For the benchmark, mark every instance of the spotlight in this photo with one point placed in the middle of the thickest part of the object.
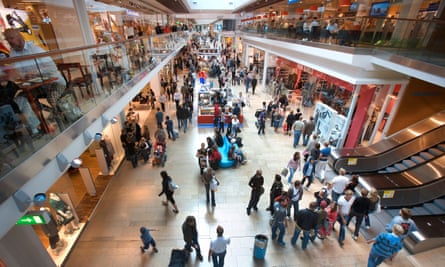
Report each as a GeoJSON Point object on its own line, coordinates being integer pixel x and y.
{"type": "Point", "coordinates": [76, 163]}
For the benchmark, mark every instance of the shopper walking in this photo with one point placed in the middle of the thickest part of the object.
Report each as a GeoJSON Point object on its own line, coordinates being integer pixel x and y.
{"type": "Point", "coordinates": [359, 210]}
{"type": "Point", "coordinates": [294, 164]}
{"type": "Point", "coordinates": [147, 240]}
{"type": "Point", "coordinates": [218, 248]}
{"type": "Point", "coordinates": [275, 191]}
{"type": "Point", "coordinates": [344, 207]}
{"type": "Point", "coordinates": [279, 220]}
{"type": "Point", "coordinates": [295, 194]}
{"type": "Point", "coordinates": [190, 234]}
{"type": "Point", "coordinates": [385, 246]}
{"type": "Point", "coordinates": [168, 188]}
{"type": "Point", "coordinates": [297, 127]}
{"type": "Point", "coordinates": [256, 183]}
{"type": "Point", "coordinates": [207, 179]}
{"type": "Point", "coordinates": [306, 221]}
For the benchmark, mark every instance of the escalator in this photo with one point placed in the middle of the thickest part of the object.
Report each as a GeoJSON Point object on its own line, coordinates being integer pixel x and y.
{"type": "Point", "coordinates": [413, 146]}
{"type": "Point", "coordinates": [408, 170]}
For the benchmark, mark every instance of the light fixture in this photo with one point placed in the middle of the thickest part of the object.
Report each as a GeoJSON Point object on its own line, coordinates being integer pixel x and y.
{"type": "Point", "coordinates": [39, 199]}
{"type": "Point", "coordinates": [76, 163]}
{"type": "Point", "coordinates": [106, 120]}
{"type": "Point", "coordinates": [98, 137]}
{"type": "Point", "coordinates": [114, 120]}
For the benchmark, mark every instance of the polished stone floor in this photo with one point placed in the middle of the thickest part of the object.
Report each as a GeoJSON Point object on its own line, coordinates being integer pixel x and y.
{"type": "Point", "coordinates": [111, 237]}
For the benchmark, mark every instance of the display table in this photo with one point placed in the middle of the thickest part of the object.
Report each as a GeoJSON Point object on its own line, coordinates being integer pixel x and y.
{"type": "Point", "coordinates": [206, 109]}
{"type": "Point", "coordinates": [206, 120]}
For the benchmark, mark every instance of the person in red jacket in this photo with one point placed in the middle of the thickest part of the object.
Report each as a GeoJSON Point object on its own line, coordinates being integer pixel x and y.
{"type": "Point", "coordinates": [214, 158]}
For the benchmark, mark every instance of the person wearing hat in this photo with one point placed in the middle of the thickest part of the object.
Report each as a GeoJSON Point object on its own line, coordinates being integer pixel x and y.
{"type": "Point", "coordinates": [385, 246]}
{"type": "Point", "coordinates": [218, 247]}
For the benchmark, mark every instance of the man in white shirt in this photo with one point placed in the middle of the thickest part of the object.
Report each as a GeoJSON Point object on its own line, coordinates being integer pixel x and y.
{"type": "Point", "coordinates": [344, 207]}
{"type": "Point", "coordinates": [218, 247]}
{"type": "Point", "coordinates": [338, 184]}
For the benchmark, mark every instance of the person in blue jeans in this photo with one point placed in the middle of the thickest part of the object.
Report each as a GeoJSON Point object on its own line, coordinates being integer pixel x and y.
{"type": "Point", "coordinates": [279, 222]}
{"type": "Point", "coordinates": [147, 240]}
{"type": "Point", "coordinates": [297, 127]}
{"type": "Point", "coordinates": [385, 246]}
{"type": "Point", "coordinates": [344, 207]}
{"type": "Point", "coordinates": [218, 248]}
{"type": "Point", "coordinates": [306, 221]}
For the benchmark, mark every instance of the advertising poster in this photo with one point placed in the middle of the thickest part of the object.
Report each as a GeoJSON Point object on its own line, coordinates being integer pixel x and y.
{"type": "Point", "coordinates": [19, 19]}
{"type": "Point", "coordinates": [328, 124]}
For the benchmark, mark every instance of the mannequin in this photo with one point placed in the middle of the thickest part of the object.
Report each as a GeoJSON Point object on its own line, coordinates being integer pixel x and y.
{"type": "Point", "coordinates": [63, 213]}
{"type": "Point", "coordinates": [50, 230]}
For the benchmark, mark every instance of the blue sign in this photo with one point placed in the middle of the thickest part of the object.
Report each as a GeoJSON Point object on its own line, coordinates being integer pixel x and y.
{"type": "Point", "coordinates": [292, 1]}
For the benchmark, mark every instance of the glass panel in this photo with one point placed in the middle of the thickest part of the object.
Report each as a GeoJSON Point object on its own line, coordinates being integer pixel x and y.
{"type": "Point", "coordinates": [41, 95]}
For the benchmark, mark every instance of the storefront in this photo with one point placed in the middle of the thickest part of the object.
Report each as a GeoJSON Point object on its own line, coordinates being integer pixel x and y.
{"type": "Point", "coordinates": [59, 215]}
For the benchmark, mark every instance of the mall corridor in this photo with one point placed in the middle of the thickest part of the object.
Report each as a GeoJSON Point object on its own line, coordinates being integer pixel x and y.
{"type": "Point", "coordinates": [111, 237]}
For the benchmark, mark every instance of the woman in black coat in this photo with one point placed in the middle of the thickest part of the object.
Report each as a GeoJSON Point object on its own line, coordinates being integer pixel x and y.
{"type": "Point", "coordinates": [168, 188]}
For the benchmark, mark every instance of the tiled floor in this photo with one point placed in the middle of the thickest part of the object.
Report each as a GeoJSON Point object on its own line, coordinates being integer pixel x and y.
{"type": "Point", "coordinates": [111, 237]}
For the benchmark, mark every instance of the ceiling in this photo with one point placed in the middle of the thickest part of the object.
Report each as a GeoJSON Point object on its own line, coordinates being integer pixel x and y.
{"type": "Point", "coordinates": [200, 11]}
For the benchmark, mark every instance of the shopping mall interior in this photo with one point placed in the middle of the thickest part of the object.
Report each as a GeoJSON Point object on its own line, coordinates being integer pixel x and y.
{"type": "Point", "coordinates": [369, 73]}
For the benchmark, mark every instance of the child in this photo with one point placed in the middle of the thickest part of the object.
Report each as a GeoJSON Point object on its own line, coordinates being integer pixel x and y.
{"type": "Point", "coordinates": [326, 229]}
{"type": "Point", "coordinates": [147, 240]}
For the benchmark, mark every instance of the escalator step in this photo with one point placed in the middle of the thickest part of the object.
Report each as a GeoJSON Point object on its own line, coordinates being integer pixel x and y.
{"type": "Point", "coordinates": [426, 155]}
{"type": "Point", "coordinates": [391, 169]}
{"type": "Point", "coordinates": [441, 147]}
{"type": "Point", "coordinates": [434, 209]}
{"type": "Point", "coordinates": [393, 212]}
{"type": "Point", "coordinates": [417, 159]}
{"type": "Point", "coordinates": [409, 163]}
{"type": "Point", "coordinates": [440, 203]}
{"type": "Point", "coordinates": [400, 167]}
{"type": "Point", "coordinates": [420, 211]}
{"type": "Point", "coordinates": [434, 151]}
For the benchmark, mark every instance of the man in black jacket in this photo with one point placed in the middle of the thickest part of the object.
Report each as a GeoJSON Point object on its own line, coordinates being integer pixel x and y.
{"type": "Point", "coordinates": [256, 183]}
{"type": "Point", "coordinates": [359, 210]}
{"type": "Point", "coordinates": [306, 221]}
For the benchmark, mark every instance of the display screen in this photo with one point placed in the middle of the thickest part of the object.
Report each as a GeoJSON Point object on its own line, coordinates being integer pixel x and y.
{"type": "Point", "coordinates": [379, 9]}
{"type": "Point", "coordinates": [353, 7]}
{"type": "Point", "coordinates": [292, 1]}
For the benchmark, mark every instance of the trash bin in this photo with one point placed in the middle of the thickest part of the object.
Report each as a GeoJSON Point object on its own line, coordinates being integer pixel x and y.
{"type": "Point", "coordinates": [260, 245]}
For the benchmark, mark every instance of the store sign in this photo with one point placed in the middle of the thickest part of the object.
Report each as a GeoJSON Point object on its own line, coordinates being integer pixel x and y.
{"type": "Point", "coordinates": [34, 218]}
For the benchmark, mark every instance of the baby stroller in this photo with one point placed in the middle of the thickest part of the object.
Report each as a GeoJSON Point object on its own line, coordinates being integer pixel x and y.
{"type": "Point", "coordinates": [159, 156]}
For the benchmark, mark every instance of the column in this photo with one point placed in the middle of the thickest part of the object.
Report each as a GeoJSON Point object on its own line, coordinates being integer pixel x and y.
{"type": "Point", "coordinates": [266, 64]}
{"type": "Point", "coordinates": [82, 15]}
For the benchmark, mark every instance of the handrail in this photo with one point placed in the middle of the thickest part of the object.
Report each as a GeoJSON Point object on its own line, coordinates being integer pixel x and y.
{"type": "Point", "coordinates": [21, 138]}
{"type": "Point", "coordinates": [10, 60]}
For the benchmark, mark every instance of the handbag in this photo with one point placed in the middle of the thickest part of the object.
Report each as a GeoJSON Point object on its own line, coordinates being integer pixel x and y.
{"type": "Point", "coordinates": [172, 186]}
{"type": "Point", "coordinates": [214, 183]}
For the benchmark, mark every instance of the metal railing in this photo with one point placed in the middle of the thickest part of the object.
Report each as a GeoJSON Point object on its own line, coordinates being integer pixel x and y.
{"type": "Point", "coordinates": [40, 99]}
{"type": "Point", "coordinates": [418, 39]}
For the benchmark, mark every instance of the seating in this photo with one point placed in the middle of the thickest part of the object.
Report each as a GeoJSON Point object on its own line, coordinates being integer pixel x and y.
{"type": "Point", "coordinates": [105, 68]}
{"type": "Point", "coordinates": [76, 75]}
{"type": "Point", "coordinates": [224, 150]}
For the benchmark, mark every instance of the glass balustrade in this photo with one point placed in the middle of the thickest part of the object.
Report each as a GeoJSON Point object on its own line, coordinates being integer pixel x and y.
{"type": "Point", "coordinates": [42, 95]}
{"type": "Point", "coordinates": [418, 39]}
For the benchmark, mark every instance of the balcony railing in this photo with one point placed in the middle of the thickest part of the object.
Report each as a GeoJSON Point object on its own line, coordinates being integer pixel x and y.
{"type": "Point", "coordinates": [42, 95]}
{"type": "Point", "coordinates": [422, 40]}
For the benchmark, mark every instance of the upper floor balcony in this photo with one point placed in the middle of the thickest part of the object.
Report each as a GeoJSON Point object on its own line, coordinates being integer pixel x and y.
{"type": "Point", "coordinates": [412, 47]}
{"type": "Point", "coordinates": [47, 100]}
